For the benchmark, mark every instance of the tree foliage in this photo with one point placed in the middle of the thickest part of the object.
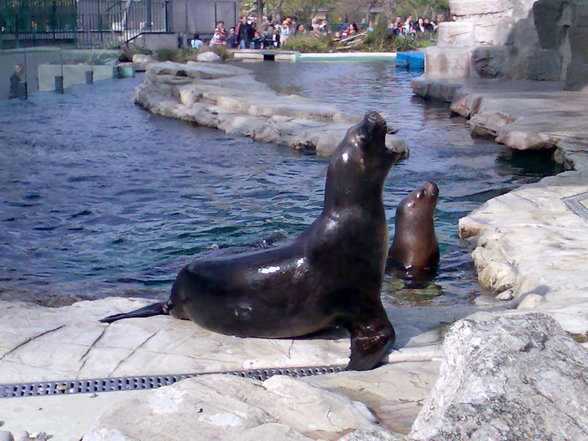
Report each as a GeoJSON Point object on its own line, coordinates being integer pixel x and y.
{"type": "Point", "coordinates": [346, 10]}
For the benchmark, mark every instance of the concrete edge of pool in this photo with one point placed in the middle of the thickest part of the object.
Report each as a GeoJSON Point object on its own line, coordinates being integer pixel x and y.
{"type": "Point", "coordinates": [293, 56]}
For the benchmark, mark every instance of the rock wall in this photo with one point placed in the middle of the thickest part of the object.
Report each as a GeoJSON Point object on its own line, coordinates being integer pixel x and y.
{"type": "Point", "coordinates": [514, 39]}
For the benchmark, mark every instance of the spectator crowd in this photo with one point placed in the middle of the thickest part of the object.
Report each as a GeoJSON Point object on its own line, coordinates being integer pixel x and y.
{"type": "Point", "coordinates": [249, 33]}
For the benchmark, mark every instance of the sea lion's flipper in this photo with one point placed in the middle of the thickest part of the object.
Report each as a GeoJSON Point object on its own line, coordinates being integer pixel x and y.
{"type": "Point", "coordinates": [160, 308]}
{"type": "Point", "coordinates": [370, 342]}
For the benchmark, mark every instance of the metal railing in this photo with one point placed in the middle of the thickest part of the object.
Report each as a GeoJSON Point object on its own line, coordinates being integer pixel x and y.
{"type": "Point", "coordinates": [80, 22]}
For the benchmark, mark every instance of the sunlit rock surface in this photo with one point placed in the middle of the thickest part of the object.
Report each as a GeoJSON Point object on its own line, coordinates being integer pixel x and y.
{"type": "Point", "coordinates": [394, 393]}
{"type": "Point", "coordinates": [230, 99]}
{"type": "Point", "coordinates": [515, 378]}
{"type": "Point", "coordinates": [41, 343]}
{"type": "Point", "coordinates": [232, 408]}
{"type": "Point", "coordinates": [528, 241]}
{"type": "Point", "coordinates": [55, 343]}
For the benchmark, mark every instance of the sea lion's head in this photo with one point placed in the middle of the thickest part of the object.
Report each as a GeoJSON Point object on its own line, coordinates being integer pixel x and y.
{"type": "Point", "coordinates": [420, 202]}
{"type": "Point", "coordinates": [360, 164]}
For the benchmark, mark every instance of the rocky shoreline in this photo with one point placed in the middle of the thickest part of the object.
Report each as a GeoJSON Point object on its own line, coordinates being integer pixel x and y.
{"type": "Point", "coordinates": [229, 98]}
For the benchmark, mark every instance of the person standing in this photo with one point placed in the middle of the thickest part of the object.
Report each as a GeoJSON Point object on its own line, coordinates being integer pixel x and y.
{"type": "Point", "coordinates": [232, 41]}
{"type": "Point", "coordinates": [219, 37]}
{"type": "Point", "coordinates": [16, 83]}
{"type": "Point", "coordinates": [243, 33]}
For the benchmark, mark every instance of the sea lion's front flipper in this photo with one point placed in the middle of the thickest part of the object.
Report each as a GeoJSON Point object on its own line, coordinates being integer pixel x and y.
{"type": "Point", "coordinates": [370, 341]}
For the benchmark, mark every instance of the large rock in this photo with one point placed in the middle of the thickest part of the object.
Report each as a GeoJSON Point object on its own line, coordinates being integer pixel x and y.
{"type": "Point", "coordinates": [515, 378]}
{"type": "Point", "coordinates": [489, 61]}
{"type": "Point", "coordinates": [221, 407]}
{"type": "Point", "coordinates": [528, 240]}
{"type": "Point", "coordinates": [141, 61]}
{"type": "Point", "coordinates": [577, 72]}
{"type": "Point", "coordinates": [209, 57]}
{"type": "Point", "coordinates": [546, 15]}
{"type": "Point", "coordinates": [539, 40]}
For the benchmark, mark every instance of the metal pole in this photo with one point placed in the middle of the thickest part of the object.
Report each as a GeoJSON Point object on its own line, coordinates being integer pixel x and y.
{"type": "Point", "coordinates": [165, 16]}
{"type": "Point", "coordinates": [148, 14]}
{"type": "Point", "coordinates": [26, 84]}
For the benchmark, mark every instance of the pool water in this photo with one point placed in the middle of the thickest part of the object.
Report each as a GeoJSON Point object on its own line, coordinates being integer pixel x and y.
{"type": "Point", "coordinates": [98, 197]}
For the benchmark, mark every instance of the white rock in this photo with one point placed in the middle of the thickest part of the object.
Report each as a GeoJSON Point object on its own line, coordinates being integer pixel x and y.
{"type": "Point", "coordinates": [506, 295]}
{"type": "Point", "coordinates": [394, 392]}
{"type": "Point", "coordinates": [70, 342]}
{"type": "Point", "coordinates": [378, 434]}
{"type": "Point", "coordinates": [209, 57]}
{"type": "Point", "coordinates": [530, 301]}
{"type": "Point", "coordinates": [233, 408]}
{"type": "Point", "coordinates": [528, 240]}
{"type": "Point", "coordinates": [505, 379]}
{"type": "Point", "coordinates": [142, 60]}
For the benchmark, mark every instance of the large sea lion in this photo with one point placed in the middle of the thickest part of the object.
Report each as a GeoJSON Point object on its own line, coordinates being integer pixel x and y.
{"type": "Point", "coordinates": [414, 248]}
{"type": "Point", "coordinates": [330, 275]}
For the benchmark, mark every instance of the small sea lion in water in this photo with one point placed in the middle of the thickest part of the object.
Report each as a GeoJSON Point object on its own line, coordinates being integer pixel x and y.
{"type": "Point", "coordinates": [330, 275]}
{"type": "Point", "coordinates": [414, 248]}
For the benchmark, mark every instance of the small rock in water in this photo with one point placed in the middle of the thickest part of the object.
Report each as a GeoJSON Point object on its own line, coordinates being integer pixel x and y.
{"type": "Point", "coordinates": [530, 301]}
{"type": "Point", "coordinates": [5, 435]}
{"type": "Point", "coordinates": [506, 295]}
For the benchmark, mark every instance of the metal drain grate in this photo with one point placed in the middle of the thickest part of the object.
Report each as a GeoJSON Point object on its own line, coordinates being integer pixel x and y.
{"type": "Point", "coordinates": [578, 204]}
{"type": "Point", "coordinates": [67, 387]}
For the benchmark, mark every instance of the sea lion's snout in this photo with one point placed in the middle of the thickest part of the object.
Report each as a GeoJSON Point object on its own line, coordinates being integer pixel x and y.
{"type": "Point", "coordinates": [432, 189]}
{"type": "Point", "coordinates": [375, 122]}
{"type": "Point", "coordinates": [428, 189]}
{"type": "Point", "coordinates": [372, 130]}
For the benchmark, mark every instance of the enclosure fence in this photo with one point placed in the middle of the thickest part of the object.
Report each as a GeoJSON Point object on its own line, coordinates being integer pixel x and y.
{"type": "Point", "coordinates": [81, 22]}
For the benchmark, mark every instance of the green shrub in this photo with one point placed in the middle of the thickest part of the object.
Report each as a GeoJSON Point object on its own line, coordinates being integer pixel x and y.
{"type": "Point", "coordinates": [381, 40]}
{"type": "Point", "coordinates": [405, 44]}
{"type": "Point", "coordinates": [222, 51]}
{"type": "Point", "coordinates": [127, 52]}
{"type": "Point", "coordinates": [378, 40]}
{"type": "Point", "coordinates": [307, 43]}
{"type": "Point", "coordinates": [167, 54]}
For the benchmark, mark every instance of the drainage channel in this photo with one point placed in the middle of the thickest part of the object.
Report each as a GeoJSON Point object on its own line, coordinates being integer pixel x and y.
{"type": "Point", "coordinates": [113, 384]}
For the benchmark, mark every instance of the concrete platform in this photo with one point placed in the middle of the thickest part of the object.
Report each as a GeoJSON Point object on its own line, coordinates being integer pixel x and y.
{"type": "Point", "coordinates": [265, 55]}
